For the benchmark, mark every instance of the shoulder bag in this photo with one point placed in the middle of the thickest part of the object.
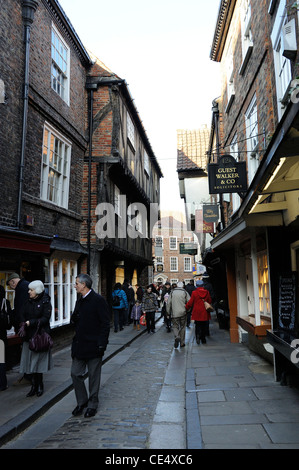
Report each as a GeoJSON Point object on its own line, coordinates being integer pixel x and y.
{"type": "Point", "coordinates": [41, 341]}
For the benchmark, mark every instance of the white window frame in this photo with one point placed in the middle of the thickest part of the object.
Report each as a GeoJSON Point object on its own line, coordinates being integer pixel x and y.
{"type": "Point", "coordinates": [234, 151]}
{"type": "Point", "coordinates": [55, 167]}
{"type": "Point", "coordinates": [159, 241]}
{"type": "Point", "coordinates": [246, 34]}
{"type": "Point", "coordinates": [251, 124]}
{"type": "Point", "coordinates": [146, 163]}
{"type": "Point", "coordinates": [230, 78]}
{"type": "Point", "coordinates": [174, 265]}
{"type": "Point", "coordinates": [187, 264]}
{"type": "Point", "coordinates": [61, 289]}
{"type": "Point", "coordinates": [60, 65]}
{"type": "Point", "coordinates": [117, 205]}
{"type": "Point", "coordinates": [173, 243]}
{"type": "Point", "coordinates": [282, 65]}
{"type": "Point", "coordinates": [130, 130]}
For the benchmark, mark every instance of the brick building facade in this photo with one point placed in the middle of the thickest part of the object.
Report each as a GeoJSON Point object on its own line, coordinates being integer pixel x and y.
{"type": "Point", "coordinates": [170, 264]}
{"type": "Point", "coordinates": [65, 149]}
{"type": "Point", "coordinates": [255, 120]}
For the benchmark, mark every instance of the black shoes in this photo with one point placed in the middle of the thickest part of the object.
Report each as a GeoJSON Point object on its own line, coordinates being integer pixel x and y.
{"type": "Point", "coordinates": [79, 409]}
{"type": "Point", "coordinates": [90, 412]}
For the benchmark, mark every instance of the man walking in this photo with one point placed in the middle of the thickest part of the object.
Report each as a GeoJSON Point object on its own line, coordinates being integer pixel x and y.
{"type": "Point", "coordinates": [176, 307]}
{"type": "Point", "coordinates": [92, 323]}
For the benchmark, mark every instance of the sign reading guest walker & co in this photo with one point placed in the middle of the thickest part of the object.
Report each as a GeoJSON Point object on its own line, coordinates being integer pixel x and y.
{"type": "Point", "coordinates": [227, 176]}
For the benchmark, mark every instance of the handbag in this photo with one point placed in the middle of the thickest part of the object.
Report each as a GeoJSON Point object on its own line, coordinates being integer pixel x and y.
{"type": "Point", "coordinates": [41, 341]}
{"type": "Point", "coordinates": [142, 320]}
{"type": "Point", "coordinates": [208, 307]}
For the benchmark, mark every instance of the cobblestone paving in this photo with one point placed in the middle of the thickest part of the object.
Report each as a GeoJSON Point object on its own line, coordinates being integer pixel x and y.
{"type": "Point", "coordinates": [128, 402]}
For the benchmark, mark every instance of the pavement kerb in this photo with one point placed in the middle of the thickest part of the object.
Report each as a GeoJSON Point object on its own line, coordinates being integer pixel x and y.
{"type": "Point", "coordinates": [24, 419]}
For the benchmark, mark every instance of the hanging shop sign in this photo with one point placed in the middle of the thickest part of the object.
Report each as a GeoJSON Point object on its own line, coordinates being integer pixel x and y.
{"type": "Point", "coordinates": [210, 213]}
{"type": "Point", "coordinates": [188, 249]}
{"type": "Point", "coordinates": [227, 176]}
{"type": "Point", "coordinates": [160, 268]}
{"type": "Point", "coordinates": [200, 225]}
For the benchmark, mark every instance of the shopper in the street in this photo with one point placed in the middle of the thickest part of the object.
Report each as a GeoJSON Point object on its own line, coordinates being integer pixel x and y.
{"type": "Point", "coordinates": [136, 314]}
{"type": "Point", "coordinates": [164, 298]}
{"type": "Point", "coordinates": [36, 312]}
{"type": "Point", "coordinates": [129, 291]}
{"type": "Point", "coordinates": [149, 306]}
{"type": "Point", "coordinates": [92, 325]}
{"type": "Point", "coordinates": [119, 307]}
{"type": "Point", "coordinates": [190, 287]}
{"type": "Point", "coordinates": [5, 324]}
{"type": "Point", "coordinates": [176, 304]}
{"type": "Point", "coordinates": [20, 286]}
{"type": "Point", "coordinates": [199, 312]}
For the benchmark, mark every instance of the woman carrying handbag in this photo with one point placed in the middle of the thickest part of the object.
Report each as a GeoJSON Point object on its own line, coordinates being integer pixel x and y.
{"type": "Point", "coordinates": [35, 312]}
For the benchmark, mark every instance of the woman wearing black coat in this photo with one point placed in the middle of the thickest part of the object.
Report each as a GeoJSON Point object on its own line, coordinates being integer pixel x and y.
{"type": "Point", "coordinates": [36, 310]}
{"type": "Point", "coordinates": [5, 324]}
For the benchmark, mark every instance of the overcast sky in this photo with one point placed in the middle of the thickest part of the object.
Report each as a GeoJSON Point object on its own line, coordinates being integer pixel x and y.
{"type": "Point", "coordinates": [161, 48]}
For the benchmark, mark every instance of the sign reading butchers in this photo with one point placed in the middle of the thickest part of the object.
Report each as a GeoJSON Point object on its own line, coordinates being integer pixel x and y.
{"type": "Point", "coordinates": [227, 176]}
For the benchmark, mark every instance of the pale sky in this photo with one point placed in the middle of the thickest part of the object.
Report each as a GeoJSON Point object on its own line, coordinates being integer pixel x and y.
{"type": "Point", "coordinates": [162, 49]}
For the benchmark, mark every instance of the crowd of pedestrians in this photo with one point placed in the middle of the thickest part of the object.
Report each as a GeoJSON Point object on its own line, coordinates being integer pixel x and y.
{"type": "Point", "coordinates": [30, 318]}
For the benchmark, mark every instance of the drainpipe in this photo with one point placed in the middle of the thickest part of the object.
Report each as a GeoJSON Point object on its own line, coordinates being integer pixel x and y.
{"type": "Point", "coordinates": [90, 88]}
{"type": "Point", "coordinates": [215, 110]}
{"type": "Point", "coordinates": [28, 9]}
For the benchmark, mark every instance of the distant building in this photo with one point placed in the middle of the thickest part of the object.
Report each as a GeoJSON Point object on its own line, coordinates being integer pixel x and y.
{"type": "Point", "coordinates": [171, 261]}
{"type": "Point", "coordinates": [192, 160]}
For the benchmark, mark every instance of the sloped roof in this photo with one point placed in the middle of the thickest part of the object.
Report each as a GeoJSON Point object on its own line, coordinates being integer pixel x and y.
{"type": "Point", "coordinates": [192, 146]}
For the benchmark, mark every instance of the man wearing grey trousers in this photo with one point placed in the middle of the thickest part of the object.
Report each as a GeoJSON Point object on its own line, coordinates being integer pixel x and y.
{"type": "Point", "coordinates": [92, 324]}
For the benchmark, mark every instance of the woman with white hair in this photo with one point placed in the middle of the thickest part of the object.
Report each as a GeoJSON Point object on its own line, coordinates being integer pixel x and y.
{"type": "Point", "coordinates": [36, 310]}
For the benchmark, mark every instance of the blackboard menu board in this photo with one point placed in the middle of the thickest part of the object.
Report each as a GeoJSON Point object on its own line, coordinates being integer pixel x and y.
{"type": "Point", "coordinates": [287, 301]}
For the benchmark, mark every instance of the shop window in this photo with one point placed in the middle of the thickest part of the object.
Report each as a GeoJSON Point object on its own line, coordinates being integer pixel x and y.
{"type": "Point", "coordinates": [60, 276]}
{"type": "Point", "coordinates": [263, 283]}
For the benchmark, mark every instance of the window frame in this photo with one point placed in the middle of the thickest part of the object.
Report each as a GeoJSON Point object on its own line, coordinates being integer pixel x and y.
{"type": "Point", "coordinates": [170, 243]}
{"type": "Point", "coordinates": [62, 185]}
{"type": "Point", "coordinates": [189, 259]}
{"type": "Point", "coordinates": [65, 74]}
{"type": "Point", "coordinates": [173, 260]}
{"type": "Point", "coordinates": [282, 65]}
{"type": "Point", "coordinates": [251, 126]}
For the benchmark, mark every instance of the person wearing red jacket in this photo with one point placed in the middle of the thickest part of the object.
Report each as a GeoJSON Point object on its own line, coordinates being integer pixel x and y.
{"type": "Point", "coordinates": [199, 314]}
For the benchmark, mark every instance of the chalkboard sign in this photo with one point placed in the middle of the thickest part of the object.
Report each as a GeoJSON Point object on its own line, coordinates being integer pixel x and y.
{"type": "Point", "coordinates": [287, 301]}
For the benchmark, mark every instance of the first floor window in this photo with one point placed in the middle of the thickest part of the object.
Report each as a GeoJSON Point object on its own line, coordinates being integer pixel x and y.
{"type": "Point", "coordinates": [55, 167]}
{"type": "Point", "coordinates": [187, 264]}
{"type": "Point", "coordinates": [173, 263]}
{"type": "Point", "coordinates": [60, 276]}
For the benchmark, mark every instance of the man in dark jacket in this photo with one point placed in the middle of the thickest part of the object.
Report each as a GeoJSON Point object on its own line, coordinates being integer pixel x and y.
{"type": "Point", "coordinates": [20, 286]}
{"type": "Point", "coordinates": [92, 322]}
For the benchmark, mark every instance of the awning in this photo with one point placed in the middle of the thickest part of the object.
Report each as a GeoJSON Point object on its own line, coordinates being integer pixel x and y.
{"type": "Point", "coordinates": [16, 240]}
